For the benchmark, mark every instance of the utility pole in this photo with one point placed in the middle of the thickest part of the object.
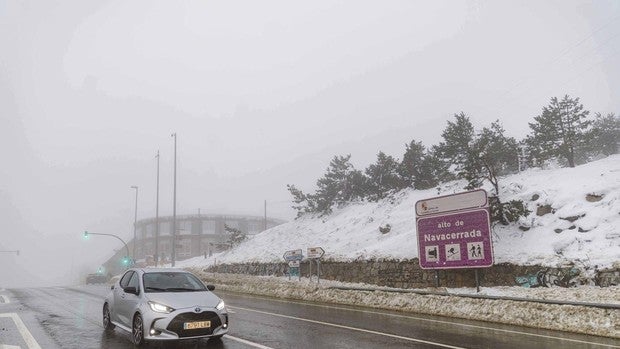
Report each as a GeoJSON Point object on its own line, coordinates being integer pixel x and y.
{"type": "Point", "coordinates": [265, 219]}
{"type": "Point", "coordinates": [135, 221]}
{"type": "Point", "coordinates": [157, 216]}
{"type": "Point", "coordinates": [174, 203]}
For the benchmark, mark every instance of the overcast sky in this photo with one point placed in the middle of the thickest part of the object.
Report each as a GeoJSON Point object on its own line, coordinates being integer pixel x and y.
{"type": "Point", "coordinates": [261, 94]}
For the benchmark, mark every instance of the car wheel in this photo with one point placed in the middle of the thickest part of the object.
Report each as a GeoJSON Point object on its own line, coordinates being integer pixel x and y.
{"type": "Point", "coordinates": [138, 330]}
{"type": "Point", "coordinates": [107, 322]}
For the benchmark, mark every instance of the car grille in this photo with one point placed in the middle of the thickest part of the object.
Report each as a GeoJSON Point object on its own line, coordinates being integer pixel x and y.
{"type": "Point", "coordinates": [176, 325]}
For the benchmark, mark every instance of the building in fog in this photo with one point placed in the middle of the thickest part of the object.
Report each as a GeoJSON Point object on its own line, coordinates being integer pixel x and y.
{"type": "Point", "coordinates": [197, 235]}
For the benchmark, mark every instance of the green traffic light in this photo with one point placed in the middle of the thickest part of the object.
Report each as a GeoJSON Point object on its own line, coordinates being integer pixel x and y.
{"type": "Point", "coordinates": [86, 235]}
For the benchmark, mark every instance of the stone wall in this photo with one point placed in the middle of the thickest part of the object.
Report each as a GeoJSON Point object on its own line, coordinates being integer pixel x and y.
{"type": "Point", "coordinates": [405, 274]}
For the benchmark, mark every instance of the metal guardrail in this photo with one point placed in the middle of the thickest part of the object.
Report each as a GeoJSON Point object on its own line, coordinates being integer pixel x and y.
{"type": "Point", "coordinates": [476, 296]}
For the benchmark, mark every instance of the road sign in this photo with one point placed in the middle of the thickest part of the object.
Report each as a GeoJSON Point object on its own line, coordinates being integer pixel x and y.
{"type": "Point", "coordinates": [315, 252]}
{"type": "Point", "coordinates": [460, 239]}
{"type": "Point", "coordinates": [293, 255]}
{"type": "Point", "coordinates": [293, 264]}
{"type": "Point", "coordinates": [452, 203]}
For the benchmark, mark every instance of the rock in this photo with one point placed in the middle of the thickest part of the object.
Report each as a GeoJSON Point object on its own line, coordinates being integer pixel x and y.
{"type": "Point", "coordinates": [582, 230]}
{"type": "Point", "coordinates": [558, 230]}
{"type": "Point", "coordinates": [543, 210]}
{"type": "Point", "coordinates": [593, 198]}
{"type": "Point", "coordinates": [522, 228]}
{"type": "Point", "coordinates": [573, 218]}
{"type": "Point", "coordinates": [535, 197]}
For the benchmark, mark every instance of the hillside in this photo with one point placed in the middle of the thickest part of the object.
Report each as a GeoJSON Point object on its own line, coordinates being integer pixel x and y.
{"type": "Point", "coordinates": [583, 226]}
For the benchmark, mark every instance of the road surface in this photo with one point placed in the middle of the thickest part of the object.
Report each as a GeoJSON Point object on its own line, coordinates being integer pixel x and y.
{"type": "Point", "coordinates": [70, 317]}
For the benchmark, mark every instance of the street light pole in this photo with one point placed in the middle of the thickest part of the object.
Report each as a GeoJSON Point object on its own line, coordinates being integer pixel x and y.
{"type": "Point", "coordinates": [157, 216]}
{"type": "Point", "coordinates": [87, 234]}
{"type": "Point", "coordinates": [135, 221]}
{"type": "Point", "coordinates": [174, 203]}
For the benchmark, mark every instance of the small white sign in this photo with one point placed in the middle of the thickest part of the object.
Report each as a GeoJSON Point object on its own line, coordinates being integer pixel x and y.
{"type": "Point", "coordinates": [315, 252]}
{"type": "Point", "coordinates": [293, 255]}
{"type": "Point", "coordinates": [453, 202]}
{"type": "Point", "coordinates": [293, 264]}
{"type": "Point", "coordinates": [432, 253]}
{"type": "Point", "coordinates": [475, 250]}
{"type": "Point", "coordinates": [453, 252]}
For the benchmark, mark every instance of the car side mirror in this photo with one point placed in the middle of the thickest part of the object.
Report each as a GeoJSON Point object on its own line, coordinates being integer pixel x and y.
{"type": "Point", "coordinates": [210, 287]}
{"type": "Point", "coordinates": [132, 290]}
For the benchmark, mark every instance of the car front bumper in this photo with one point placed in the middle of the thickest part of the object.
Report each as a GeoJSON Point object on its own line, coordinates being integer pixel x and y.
{"type": "Point", "coordinates": [159, 326]}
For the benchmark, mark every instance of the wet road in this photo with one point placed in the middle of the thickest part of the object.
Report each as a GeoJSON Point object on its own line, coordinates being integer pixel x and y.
{"type": "Point", "coordinates": [71, 318]}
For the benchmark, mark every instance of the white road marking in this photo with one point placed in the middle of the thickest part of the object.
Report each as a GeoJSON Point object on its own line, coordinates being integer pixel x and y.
{"type": "Point", "coordinates": [354, 329]}
{"type": "Point", "coordinates": [439, 321]}
{"type": "Point", "coordinates": [23, 330]}
{"type": "Point", "coordinates": [5, 346]}
{"type": "Point", "coordinates": [241, 340]}
{"type": "Point", "coordinates": [5, 299]}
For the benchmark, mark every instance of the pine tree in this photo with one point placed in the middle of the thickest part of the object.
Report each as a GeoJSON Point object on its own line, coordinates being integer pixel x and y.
{"type": "Point", "coordinates": [383, 177]}
{"type": "Point", "coordinates": [496, 155]}
{"type": "Point", "coordinates": [482, 157]}
{"type": "Point", "coordinates": [236, 236]}
{"type": "Point", "coordinates": [420, 169]}
{"type": "Point", "coordinates": [560, 131]}
{"type": "Point", "coordinates": [457, 148]}
{"type": "Point", "coordinates": [604, 137]}
{"type": "Point", "coordinates": [410, 167]}
{"type": "Point", "coordinates": [303, 203]}
{"type": "Point", "coordinates": [340, 184]}
{"type": "Point", "coordinates": [433, 170]}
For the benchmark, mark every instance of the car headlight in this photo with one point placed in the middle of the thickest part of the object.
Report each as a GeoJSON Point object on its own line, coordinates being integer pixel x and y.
{"type": "Point", "coordinates": [220, 305]}
{"type": "Point", "coordinates": [160, 308]}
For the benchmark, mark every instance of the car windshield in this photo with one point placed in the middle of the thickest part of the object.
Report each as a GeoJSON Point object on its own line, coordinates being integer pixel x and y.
{"type": "Point", "coordinates": [171, 282]}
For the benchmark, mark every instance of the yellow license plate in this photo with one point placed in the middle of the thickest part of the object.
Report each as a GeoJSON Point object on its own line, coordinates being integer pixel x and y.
{"type": "Point", "coordinates": [196, 324]}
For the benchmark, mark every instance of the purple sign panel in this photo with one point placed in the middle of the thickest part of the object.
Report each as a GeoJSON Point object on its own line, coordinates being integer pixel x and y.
{"type": "Point", "coordinates": [457, 240]}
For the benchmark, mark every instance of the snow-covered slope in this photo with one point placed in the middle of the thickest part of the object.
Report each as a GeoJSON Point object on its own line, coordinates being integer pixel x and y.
{"type": "Point", "coordinates": [353, 232]}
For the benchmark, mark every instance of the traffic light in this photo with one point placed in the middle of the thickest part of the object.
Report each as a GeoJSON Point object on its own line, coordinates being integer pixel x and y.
{"type": "Point", "coordinates": [85, 235]}
{"type": "Point", "coordinates": [126, 261]}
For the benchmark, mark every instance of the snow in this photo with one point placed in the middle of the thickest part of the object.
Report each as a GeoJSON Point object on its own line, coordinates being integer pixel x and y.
{"type": "Point", "coordinates": [352, 232]}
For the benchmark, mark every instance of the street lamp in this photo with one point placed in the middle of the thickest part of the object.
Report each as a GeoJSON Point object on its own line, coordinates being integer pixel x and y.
{"type": "Point", "coordinates": [126, 259]}
{"type": "Point", "coordinates": [174, 203]}
{"type": "Point", "coordinates": [157, 216]}
{"type": "Point", "coordinates": [135, 221]}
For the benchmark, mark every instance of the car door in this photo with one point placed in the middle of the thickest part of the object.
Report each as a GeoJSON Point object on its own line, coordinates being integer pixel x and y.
{"type": "Point", "coordinates": [121, 299]}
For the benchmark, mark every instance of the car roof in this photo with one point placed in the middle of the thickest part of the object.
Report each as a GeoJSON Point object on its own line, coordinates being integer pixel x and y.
{"type": "Point", "coordinates": [162, 270]}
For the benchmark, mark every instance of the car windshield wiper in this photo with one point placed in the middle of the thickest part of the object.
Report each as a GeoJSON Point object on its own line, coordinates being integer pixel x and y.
{"type": "Point", "coordinates": [149, 288]}
{"type": "Point", "coordinates": [174, 289]}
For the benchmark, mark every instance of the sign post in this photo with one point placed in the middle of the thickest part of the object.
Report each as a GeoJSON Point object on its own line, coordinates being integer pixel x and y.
{"type": "Point", "coordinates": [454, 231]}
{"type": "Point", "coordinates": [315, 253]}
{"type": "Point", "coordinates": [293, 257]}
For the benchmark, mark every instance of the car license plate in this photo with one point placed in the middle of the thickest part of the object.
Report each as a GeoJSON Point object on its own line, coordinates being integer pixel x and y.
{"type": "Point", "coordinates": [196, 324]}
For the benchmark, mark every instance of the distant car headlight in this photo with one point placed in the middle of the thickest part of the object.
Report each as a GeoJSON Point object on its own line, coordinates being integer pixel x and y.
{"type": "Point", "coordinates": [160, 308]}
{"type": "Point", "coordinates": [220, 305]}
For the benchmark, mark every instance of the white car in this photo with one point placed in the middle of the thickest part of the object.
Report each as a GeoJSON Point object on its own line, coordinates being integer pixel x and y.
{"type": "Point", "coordinates": [164, 304]}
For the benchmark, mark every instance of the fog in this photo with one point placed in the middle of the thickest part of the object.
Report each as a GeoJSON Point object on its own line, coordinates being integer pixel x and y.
{"type": "Point", "coordinates": [261, 94]}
